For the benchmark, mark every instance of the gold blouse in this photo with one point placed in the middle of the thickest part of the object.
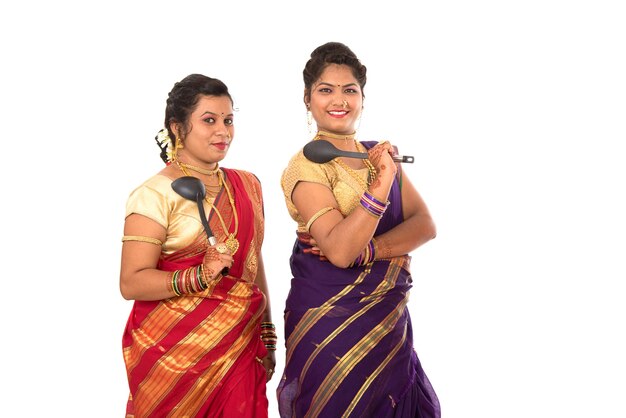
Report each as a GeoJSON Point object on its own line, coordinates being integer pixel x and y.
{"type": "Point", "coordinates": [346, 189]}
{"type": "Point", "coordinates": [155, 199]}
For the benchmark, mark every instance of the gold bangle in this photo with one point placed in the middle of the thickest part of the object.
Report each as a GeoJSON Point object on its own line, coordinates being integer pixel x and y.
{"type": "Point", "coordinates": [141, 239]}
{"type": "Point", "coordinates": [374, 249]}
{"type": "Point", "coordinates": [319, 213]}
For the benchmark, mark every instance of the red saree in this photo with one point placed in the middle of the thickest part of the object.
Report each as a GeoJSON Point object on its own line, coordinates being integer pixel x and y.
{"type": "Point", "coordinates": [196, 355]}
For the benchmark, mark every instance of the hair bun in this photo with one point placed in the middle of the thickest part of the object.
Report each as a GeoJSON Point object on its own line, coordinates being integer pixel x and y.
{"type": "Point", "coordinates": [332, 49]}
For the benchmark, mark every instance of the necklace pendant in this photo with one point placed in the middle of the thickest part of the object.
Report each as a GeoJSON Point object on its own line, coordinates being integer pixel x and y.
{"type": "Point", "coordinates": [232, 243]}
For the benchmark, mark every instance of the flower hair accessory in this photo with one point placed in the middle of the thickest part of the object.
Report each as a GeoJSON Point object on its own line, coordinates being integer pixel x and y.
{"type": "Point", "coordinates": [165, 144]}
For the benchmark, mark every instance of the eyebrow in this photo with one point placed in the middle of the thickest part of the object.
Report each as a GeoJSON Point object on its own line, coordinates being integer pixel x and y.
{"type": "Point", "coordinates": [333, 85]}
{"type": "Point", "coordinates": [208, 112]}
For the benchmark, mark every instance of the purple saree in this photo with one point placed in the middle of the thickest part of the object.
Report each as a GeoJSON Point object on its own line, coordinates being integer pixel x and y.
{"type": "Point", "coordinates": [349, 342]}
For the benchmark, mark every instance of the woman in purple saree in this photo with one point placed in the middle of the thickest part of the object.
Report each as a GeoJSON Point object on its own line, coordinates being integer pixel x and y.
{"type": "Point", "coordinates": [349, 342]}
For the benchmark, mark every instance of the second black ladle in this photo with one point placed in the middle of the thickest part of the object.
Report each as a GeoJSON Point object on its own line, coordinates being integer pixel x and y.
{"type": "Point", "coordinates": [321, 151]}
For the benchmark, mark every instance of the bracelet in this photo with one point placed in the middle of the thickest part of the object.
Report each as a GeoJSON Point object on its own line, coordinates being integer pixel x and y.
{"type": "Point", "coordinates": [188, 281]}
{"type": "Point", "coordinates": [372, 246]}
{"type": "Point", "coordinates": [268, 335]}
{"type": "Point", "coordinates": [175, 282]}
{"type": "Point", "coordinates": [367, 255]}
{"type": "Point", "coordinates": [372, 205]}
{"type": "Point", "coordinates": [374, 200]}
{"type": "Point", "coordinates": [201, 284]}
{"type": "Point", "coordinates": [317, 214]}
{"type": "Point", "coordinates": [141, 239]}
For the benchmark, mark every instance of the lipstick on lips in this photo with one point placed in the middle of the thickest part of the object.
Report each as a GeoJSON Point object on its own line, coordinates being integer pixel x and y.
{"type": "Point", "coordinates": [221, 145]}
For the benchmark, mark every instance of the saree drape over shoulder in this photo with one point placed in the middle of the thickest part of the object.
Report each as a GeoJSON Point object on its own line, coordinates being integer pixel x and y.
{"type": "Point", "coordinates": [349, 342]}
{"type": "Point", "coordinates": [195, 355]}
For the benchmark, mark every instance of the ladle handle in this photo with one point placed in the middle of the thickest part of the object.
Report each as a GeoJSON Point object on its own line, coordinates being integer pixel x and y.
{"type": "Point", "coordinates": [403, 159]}
{"type": "Point", "coordinates": [364, 155]}
{"type": "Point", "coordinates": [352, 154]}
{"type": "Point", "coordinates": [209, 234]}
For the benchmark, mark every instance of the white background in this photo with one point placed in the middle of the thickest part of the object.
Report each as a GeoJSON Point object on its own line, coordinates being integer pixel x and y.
{"type": "Point", "coordinates": [514, 111]}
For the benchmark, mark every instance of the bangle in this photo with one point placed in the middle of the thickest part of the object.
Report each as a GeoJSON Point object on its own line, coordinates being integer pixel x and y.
{"type": "Point", "coordinates": [374, 200]}
{"type": "Point", "coordinates": [372, 205]}
{"type": "Point", "coordinates": [175, 283]}
{"type": "Point", "coordinates": [317, 214]}
{"type": "Point", "coordinates": [372, 245]}
{"type": "Point", "coordinates": [201, 284]}
{"type": "Point", "coordinates": [268, 335]}
{"type": "Point", "coordinates": [141, 239]}
{"type": "Point", "coordinates": [188, 281]}
{"type": "Point", "coordinates": [367, 255]}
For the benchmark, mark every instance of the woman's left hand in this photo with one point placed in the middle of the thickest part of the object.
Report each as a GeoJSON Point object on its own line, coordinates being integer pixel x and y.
{"type": "Point", "coordinates": [307, 239]}
{"type": "Point", "coordinates": [269, 362]}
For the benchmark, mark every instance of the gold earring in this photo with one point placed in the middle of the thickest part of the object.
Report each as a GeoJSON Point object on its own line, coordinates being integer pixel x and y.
{"type": "Point", "coordinates": [309, 120]}
{"type": "Point", "coordinates": [309, 116]}
{"type": "Point", "coordinates": [178, 145]}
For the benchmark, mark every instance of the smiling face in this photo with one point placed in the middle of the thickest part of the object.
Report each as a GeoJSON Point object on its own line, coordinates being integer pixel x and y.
{"type": "Point", "coordinates": [210, 130]}
{"type": "Point", "coordinates": [336, 100]}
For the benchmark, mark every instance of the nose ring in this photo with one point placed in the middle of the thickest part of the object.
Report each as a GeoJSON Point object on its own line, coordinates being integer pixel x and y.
{"type": "Point", "coordinates": [345, 103]}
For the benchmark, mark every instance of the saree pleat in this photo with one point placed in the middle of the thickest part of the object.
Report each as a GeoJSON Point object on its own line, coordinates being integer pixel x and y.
{"type": "Point", "coordinates": [195, 355]}
{"type": "Point", "coordinates": [349, 341]}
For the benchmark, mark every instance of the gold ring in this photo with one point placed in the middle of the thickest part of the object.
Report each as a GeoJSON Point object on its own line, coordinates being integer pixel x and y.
{"type": "Point", "coordinates": [221, 248]}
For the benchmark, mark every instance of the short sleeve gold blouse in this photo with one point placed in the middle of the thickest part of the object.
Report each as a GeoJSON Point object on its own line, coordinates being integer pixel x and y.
{"type": "Point", "coordinates": [346, 189]}
{"type": "Point", "coordinates": [155, 199]}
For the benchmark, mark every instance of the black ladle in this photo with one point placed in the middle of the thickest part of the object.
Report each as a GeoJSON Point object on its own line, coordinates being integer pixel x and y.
{"type": "Point", "coordinates": [192, 188]}
{"type": "Point", "coordinates": [321, 151]}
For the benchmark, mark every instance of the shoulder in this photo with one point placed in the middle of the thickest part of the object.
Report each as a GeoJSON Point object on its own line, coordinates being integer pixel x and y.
{"type": "Point", "coordinates": [154, 198]}
{"type": "Point", "coordinates": [243, 174]}
{"type": "Point", "coordinates": [300, 169]}
{"type": "Point", "coordinates": [247, 179]}
{"type": "Point", "coordinates": [158, 183]}
{"type": "Point", "coordinates": [300, 166]}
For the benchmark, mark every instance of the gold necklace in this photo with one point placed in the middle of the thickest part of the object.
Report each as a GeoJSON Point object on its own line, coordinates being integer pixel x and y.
{"type": "Point", "coordinates": [368, 164]}
{"type": "Point", "coordinates": [199, 169]}
{"type": "Point", "coordinates": [211, 189]}
{"type": "Point", "coordinates": [334, 136]}
{"type": "Point", "coordinates": [370, 168]}
{"type": "Point", "coordinates": [231, 242]}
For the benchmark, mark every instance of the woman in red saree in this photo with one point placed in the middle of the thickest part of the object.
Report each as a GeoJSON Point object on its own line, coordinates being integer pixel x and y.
{"type": "Point", "coordinates": [199, 340]}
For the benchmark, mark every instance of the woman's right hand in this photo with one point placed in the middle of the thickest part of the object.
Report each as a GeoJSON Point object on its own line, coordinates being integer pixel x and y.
{"type": "Point", "coordinates": [215, 259]}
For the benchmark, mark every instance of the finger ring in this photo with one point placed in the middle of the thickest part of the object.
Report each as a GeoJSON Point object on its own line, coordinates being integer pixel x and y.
{"type": "Point", "coordinates": [221, 248]}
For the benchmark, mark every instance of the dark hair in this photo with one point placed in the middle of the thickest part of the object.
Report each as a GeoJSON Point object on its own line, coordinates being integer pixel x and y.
{"type": "Point", "coordinates": [332, 53]}
{"type": "Point", "coordinates": [183, 99]}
